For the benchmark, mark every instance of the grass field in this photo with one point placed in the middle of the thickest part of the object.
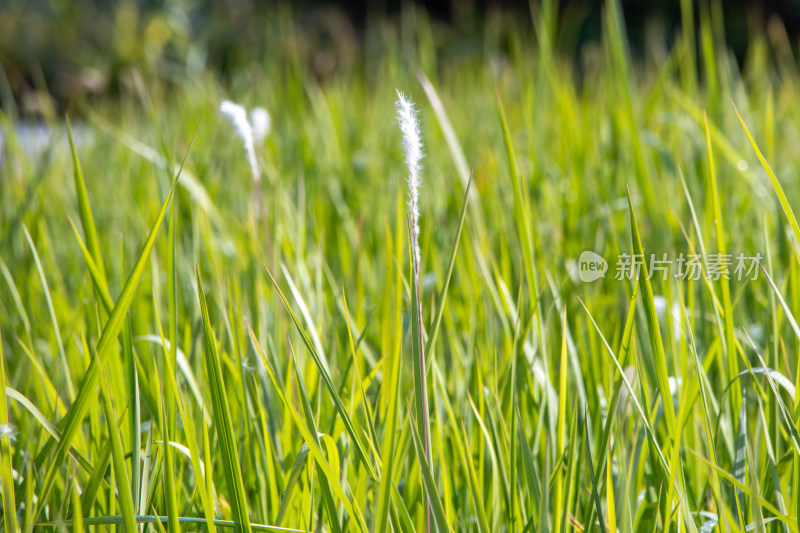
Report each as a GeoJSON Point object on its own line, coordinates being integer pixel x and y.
{"type": "Point", "coordinates": [272, 332]}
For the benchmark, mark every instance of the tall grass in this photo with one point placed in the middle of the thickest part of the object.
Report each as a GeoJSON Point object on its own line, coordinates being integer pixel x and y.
{"type": "Point", "coordinates": [179, 360]}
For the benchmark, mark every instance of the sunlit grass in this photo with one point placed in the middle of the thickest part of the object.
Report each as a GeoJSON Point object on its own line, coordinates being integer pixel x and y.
{"type": "Point", "coordinates": [200, 336]}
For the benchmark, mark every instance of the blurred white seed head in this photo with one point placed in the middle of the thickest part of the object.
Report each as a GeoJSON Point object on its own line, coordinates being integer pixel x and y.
{"type": "Point", "coordinates": [237, 115]}
{"type": "Point", "coordinates": [7, 431]}
{"type": "Point", "coordinates": [407, 118]}
{"type": "Point", "coordinates": [261, 122]}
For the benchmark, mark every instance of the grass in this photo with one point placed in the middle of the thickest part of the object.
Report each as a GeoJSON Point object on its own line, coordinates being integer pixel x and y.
{"type": "Point", "coordinates": [195, 353]}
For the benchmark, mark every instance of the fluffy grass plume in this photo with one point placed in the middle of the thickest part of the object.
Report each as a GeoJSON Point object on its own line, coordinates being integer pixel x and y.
{"type": "Point", "coordinates": [412, 145]}
{"type": "Point", "coordinates": [237, 116]}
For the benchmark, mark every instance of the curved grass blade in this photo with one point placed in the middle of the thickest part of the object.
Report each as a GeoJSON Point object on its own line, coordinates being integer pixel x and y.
{"type": "Point", "coordinates": [111, 330]}
{"type": "Point", "coordinates": [46, 424]}
{"type": "Point", "coordinates": [787, 209]}
{"type": "Point", "coordinates": [299, 463]}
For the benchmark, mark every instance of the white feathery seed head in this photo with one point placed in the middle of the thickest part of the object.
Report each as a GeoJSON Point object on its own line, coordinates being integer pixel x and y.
{"type": "Point", "coordinates": [261, 122]}
{"type": "Point", "coordinates": [7, 431]}
{"type": "Point", "coordinates": [237, 115]}
{"type": "Point", "coordinates": [407, 118]}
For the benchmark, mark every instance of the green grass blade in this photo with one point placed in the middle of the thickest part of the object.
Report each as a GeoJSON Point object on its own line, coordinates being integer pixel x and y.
{"type": "Point", "coordinates": [112, 328]}
{"type": "Point", "coordinates": [6, 478]}
{"type": "Point", "coordinates": [77, 510]}
{"type": "Point", "coordinates": [84, 207]}
{"type": "Point", "coordinates": [727, 307]}
{"type": "Point", "coordinates": [474, 488]}
{"type": "Point", "coordinates": [327, 496]}
{"type": "Point", "coordinates": [437, 318]}
{"type": "Point", "coordinates": [329, 385]}
{"type": "Point", "coordinates": [437, 508]}
{"type": "Point", "coordinates": [558, 502]}
{"type": "Point", "coordinates": [222, 421]}
{"type": "Point", "coordinates": [659, 356]}
{"type": "Point", "coordinates": [56, 328]}
{"type": "Point", "coordinates": [166, 399]}
{"type": "Point", "coordinates": [314, 450]}
{"type": "Point", "coordinates": [118, 461]}
{"type": "Point", "coordinates": [297, 467]}
{"type": "Point", "coordinates": [787, 209]}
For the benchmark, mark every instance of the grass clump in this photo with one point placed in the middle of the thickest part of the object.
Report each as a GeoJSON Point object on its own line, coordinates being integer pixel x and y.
{"type": "Point", "coordinates": [268, 339]}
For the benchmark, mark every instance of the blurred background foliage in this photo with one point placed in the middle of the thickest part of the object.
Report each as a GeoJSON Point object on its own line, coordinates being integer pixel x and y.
{"type": "Point", "coordinates": [57, 55]}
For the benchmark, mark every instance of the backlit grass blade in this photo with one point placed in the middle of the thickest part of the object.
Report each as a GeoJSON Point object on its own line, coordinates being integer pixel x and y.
{"type": "Point", "coordinates": [437, 509]}
{"type": "Point", "coordinates": [299, 463]}
{"type": "Point", "coordinates": [112, 328]}
{"type": "Point", "coordinates": [172, 302]}
{"type": "Point", "coordinates": [391, 381]}
{"type": "Point", "coordinates": [77, 510]}
{"type": "Point", "coordinates": [632, 394]}
{"type": "Point", "coordinates": [118, 462]}
{"type": "Point", "coordinates": [787, 209]}
{"type": "Point", "coordinates": [222, 421]}
{"type": "Point", "coordinates": [558, 502]}
{"type": "Point", "coordinates": [191, 439]}
{"type": "Point", "coordinates": [610, 501]}
{"type": "Point", "coordinates": [704, 398]}
{"type": "Point", "coordinates": [474, 488]}
{"type": "Point", "coordinates": [625, 348]}
{"type": "Point", "coordinates": [327, 497]}
{"type": "Point", "coordinates": [654, 331]}
{"type": "Point", "coordinates": [314, 450]}
{"type": "Point", "coordinates": [165, 402]}
{"type": "Point", "coordinates": [49, 427]}
{"type": "Point", "coordinates": [84, 207]}
{"type": "Point", "coordinates": [459, 159]}
{"type": "Point", "coordinates": [6, 478]}
{"type": "Point", "coordinates": [727, 307]}
{"type": "Point", "coordinates": [595, 492]}
{"type": "Point", "coordinates": [527, 461]}
{"type": "Point", "coordinates": [437, 319]}
{"type": "Point", "coordinates": [329, 385]}
{"type": "Point", "coordinates": [49, 300]}
{"type": "Point", "coordinates": [520, 206]}
{"type": "Point", "coordinates": [96, 479]}
{"type": "Point", "coordinates": [12, 287]}
{"type": "Point", "coordinates": [789, 521]}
